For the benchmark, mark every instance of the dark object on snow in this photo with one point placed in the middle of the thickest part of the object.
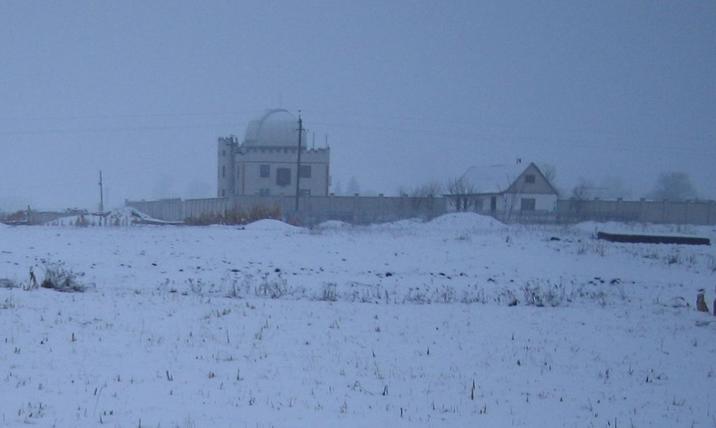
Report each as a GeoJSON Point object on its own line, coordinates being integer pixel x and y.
{"type": "Point", "coordinates": [701, 302]}
{"type": "Point", "coordinates": [652, 239]}
{"type": "Point", "coordinates": [554, 238]}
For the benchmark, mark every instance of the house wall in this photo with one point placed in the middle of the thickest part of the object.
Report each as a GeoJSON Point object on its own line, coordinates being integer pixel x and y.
{"type": "Point", "coordinates": [539, 186]}
{"type": "Point", "coordinates": [510, 202]}
{"type": "Point", "coordinates": [250, 182]}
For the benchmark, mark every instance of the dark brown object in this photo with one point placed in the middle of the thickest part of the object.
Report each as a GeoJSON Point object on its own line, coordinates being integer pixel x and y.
{"type": "Point", "coordinates": [701, 302]}
{"type": "Point", "coordinates": [652, 239]}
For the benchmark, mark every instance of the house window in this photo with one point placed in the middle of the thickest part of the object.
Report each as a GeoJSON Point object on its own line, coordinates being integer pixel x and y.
{"type": "Point", "coordinates": [283, 176]}
{"type": "Point", "coordinates": [265, 171]}
{"type": "Point", "coordinates": [529, 178]}
{"type": "Point", "coordinates": [305, 171]}
{"type": "Point", "coordinates": [527, 204]}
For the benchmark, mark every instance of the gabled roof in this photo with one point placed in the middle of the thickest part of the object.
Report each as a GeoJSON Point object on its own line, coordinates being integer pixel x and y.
{"type": "Point", "coordinates": [494, 178]}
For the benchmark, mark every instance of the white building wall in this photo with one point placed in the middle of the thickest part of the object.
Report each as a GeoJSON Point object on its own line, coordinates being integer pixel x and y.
{"type": "Point", "coordinates": [250, 182]}
{"type": "Point", "coordinates": [513, 201]}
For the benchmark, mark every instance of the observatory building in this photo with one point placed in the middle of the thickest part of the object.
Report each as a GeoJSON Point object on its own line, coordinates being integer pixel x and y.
{"type": "Point", "coordinates": [265, 162]}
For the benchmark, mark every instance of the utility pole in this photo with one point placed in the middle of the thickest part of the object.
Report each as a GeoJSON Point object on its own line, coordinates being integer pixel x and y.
{"type": "Point", "coordinates": [298, 158]}
{"type": "Point", "coordinates": [101, 194]}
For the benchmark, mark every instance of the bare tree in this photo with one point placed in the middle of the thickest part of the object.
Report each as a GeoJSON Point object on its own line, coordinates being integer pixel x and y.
{"type": "Point", "coordinates": [353, 187]}
{"type": "Point", "coordinates": [583, 190]}
{"type": "Point", "coordinates": [580, 193]}
{"type": "Point", "coordinates": [422, 196]}
{"type": "Point", "coordinates": [460, 189]}
{"type": "Point", "coordinates": [673, 186]}
{"type": "Point", "coordinates": [429, 189]}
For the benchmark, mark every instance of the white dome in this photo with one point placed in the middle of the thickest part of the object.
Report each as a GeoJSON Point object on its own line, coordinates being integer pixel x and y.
{"type": "Point", "coordinates": [275, 127]}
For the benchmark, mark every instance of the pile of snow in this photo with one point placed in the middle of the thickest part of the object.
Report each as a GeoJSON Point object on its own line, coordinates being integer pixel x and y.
{"type": "Point", "coordinates": [271, 226]}
{"type": "Point", "coordinates": [333, 225]}
{"type": "Point", "coordinates": [465, 221]}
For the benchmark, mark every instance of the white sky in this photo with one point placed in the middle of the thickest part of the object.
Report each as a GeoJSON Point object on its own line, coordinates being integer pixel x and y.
{"type": "Point", "coordinates": [407, 91]}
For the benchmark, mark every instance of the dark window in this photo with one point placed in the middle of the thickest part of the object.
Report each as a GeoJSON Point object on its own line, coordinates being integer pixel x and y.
{"type": "Point", "coordinates": [283, 176]}
{"type": "Point", "coordinates": [265, 171]}
{"type": "Point", "coordinates": [529, 178]}
{"type": "Point", "coordinates": [305, 171]}
{"type": "Point", "coordinates": [223, 171]}
{"type": "Point", "coordinates": [528, 204]}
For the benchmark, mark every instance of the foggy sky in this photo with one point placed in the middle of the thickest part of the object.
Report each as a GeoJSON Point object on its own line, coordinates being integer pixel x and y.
{"type": "Point", "coordinates": [407, 91]}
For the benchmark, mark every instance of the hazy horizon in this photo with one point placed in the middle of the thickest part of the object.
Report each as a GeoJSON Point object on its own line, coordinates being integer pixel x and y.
{"type": "Point", "coordinates": [407, 92]}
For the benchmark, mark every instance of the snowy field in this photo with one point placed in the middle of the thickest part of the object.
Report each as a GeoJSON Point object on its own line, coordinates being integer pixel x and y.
{"type": "Point", "coordinates": [457, 322]}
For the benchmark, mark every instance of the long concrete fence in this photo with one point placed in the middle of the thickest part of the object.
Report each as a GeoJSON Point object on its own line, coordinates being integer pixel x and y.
{"type": "Point", "coordinates": [312, 210]}
{"type": "Point", "coordinates": [642, 211]}
{"type": "Point", "coordinates": [374, 209]}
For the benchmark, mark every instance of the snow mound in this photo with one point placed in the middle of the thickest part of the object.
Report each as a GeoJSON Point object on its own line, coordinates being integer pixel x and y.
{"type": "Point", "coordinates": [333, 225]}
{"type": "Point", "coordinates": [464, 221]}
{"type": "Point", "coordinates": [271, 225]}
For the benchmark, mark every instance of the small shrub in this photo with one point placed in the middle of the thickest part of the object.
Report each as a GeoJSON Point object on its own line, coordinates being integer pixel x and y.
{"type": "Point", "coordinates": [62, 279]}
{"type": "Point", "coordinates": [274, 289]}
{"type": "Point", "coordinates": [329, 293]}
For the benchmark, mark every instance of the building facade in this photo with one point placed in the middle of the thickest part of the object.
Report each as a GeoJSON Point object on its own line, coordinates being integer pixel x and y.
{"type": "Point", "coordinates": [265, 163]}
{"type": "Point", "coordinates": [508, 189]}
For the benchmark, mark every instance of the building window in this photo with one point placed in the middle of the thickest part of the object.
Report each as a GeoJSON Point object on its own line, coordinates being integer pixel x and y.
{"type": "Point", "coordinates": [529, 178]}
{"type": "Point", "coordinates": [305, 192]}
{"type": "Point", "coordinates": [223, 171]}
{"type": "Point", "coordinates": [305, 171]}
{"type": "Point", "coordinates": [527, 204]}
{"type": "Point", "coordinates": [223, 153]}
{"type": "Point", "coordinates": [283, 176]}
{"type": "Point", "coordinates": [223, 193]}
{"type": "Point", "coordinates": [265, 171]}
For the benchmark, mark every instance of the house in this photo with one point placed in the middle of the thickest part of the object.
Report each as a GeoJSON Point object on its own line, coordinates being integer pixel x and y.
{"type": "Point", "coordinates": [265, 162]}
{"type": "Point", "coordinates": [505, 190]}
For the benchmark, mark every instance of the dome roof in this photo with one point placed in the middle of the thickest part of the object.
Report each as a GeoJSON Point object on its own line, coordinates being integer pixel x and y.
{"type": "Point", "coordinates": [276, 127]}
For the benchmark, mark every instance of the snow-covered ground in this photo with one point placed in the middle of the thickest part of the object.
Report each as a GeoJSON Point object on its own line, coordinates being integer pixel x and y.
{"type": "Point", "coordinates": [461, 321]}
